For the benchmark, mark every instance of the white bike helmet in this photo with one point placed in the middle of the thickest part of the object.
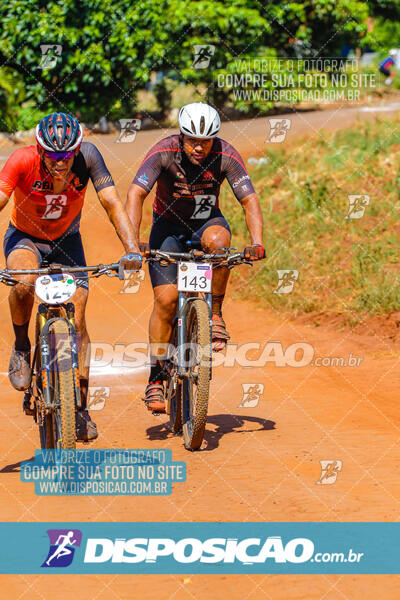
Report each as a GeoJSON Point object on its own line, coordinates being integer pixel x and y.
{"type": "Point", "coordinates": [199, 120]}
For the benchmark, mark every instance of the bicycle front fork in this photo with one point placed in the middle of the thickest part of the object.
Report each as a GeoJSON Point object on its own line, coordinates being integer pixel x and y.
{"type": "Point", "coordinates": [44, 341]}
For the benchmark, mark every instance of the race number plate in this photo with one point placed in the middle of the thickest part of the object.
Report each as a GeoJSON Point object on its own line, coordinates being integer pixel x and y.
{"type": "Point", "coordinates": [194, 277]}
{"type": "Point", "coordinates": [55, 289]}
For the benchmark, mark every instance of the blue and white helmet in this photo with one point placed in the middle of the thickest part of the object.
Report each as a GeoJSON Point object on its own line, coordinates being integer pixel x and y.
{"type": "Point", "coordinates": [199, 120]}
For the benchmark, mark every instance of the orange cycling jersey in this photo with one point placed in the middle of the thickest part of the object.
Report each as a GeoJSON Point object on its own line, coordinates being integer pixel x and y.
{"type": "Point", "coordinates": [37, 210]}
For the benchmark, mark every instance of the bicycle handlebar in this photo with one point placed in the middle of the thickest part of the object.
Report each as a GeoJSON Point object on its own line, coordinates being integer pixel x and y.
{"type": "Point", "coordinates": [223, 258]}
{"type": "Point", "coordinates": [7, 276]}
{"type": "Point", "coordinates": [54, 269]}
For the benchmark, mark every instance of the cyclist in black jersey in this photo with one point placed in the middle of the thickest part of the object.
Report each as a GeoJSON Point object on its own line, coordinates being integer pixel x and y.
{"type": "Point", "coordinates": [189, 169]}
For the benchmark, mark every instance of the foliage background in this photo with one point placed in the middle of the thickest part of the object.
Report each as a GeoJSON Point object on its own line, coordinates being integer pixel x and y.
{"type": "Point", "coordinates": [110, 49]}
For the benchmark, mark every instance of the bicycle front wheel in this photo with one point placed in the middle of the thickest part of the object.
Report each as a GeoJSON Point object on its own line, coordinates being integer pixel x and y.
{"type": "Point", "coordinates": [196, 385]}
{"type": "Point", "coordinates": [62, 383]}
{"type": "Point", "coordinates": [46, 433]}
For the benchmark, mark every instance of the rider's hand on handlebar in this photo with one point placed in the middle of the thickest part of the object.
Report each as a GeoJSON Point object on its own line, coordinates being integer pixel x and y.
{"type": "Point", "coordinates": [129, 262]}
{"type": "Point", "coordinates": [254, 252]}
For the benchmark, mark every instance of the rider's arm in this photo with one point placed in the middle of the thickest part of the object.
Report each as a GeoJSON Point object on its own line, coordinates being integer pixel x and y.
{"type": "Point", "coordinates": [241, 185]}
{"type": "Point", "coordinates": [4, 198]}
{"type": "Point", "coordinates": [134, 206]}
{"type": "Point", "coordinates": [254, 218]}
{"type": "Point", "coordinates": [109, 198]}
{"type": "Point", "coordinates": [146, 176]}
{"type": "Point", "coordinates": [116, 212]}
{"type": "Point", "coordinates": [10, 174]}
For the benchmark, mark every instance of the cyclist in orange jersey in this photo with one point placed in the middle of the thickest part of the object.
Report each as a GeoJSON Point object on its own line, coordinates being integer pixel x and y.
{"type": "Point", "coordinates": [49, 182]}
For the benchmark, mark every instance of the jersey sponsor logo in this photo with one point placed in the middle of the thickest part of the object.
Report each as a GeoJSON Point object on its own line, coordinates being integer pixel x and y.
{"type": "Point", "coordinates": [55, 205]}
{"type": "Point", "coordinates": [239, 181]}
{"type": "Point", "coordinates": [39, 186]}
{"type": "Point", "coordinates": [143, 179]}
{"type": "Point", "coordinates": [201, 186]}
{"type": "Point", "coordinates": [204, 205]}
{"type": "Point", "coordinates": [180, 175]}
{"type": "Point", "coordinates": [76, 183]}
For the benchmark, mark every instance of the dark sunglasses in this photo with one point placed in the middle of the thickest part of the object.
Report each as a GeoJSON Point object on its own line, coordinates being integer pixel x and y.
{"type": "Point", "coordinates": [59, 155]}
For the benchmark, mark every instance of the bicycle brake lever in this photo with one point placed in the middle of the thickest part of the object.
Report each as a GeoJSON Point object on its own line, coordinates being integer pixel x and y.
{"type": "Point", "coordinates": [165, 256]}
{"type": "Point", "coordinates": [104, 271]}
{"type": "Point", "coordinates": [8, 282]}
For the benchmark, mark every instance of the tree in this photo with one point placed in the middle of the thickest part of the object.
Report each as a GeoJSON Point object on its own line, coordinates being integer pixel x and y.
{"type": "Point", "coordinates": [109, 49]}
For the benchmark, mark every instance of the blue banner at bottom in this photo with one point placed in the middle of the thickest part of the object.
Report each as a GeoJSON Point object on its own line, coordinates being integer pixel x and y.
{"type": "Point", "coordinates": [204, 548]}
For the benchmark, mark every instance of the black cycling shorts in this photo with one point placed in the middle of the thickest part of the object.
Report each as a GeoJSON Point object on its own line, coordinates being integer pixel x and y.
{"type": "Point", "coordinates": [172, 237]}
{"type": "Point", "coordinates": [385, 72]}
{"type": "Point", "coordinates": [66, 250]}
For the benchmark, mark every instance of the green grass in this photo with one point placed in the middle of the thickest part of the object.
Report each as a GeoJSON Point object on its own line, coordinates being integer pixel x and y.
{"type": "Point", "coordinates": [346, 266]}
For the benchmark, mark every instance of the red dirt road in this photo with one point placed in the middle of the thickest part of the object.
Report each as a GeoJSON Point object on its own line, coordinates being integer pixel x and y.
{"type": "Point", "coordinates": [257, 464]}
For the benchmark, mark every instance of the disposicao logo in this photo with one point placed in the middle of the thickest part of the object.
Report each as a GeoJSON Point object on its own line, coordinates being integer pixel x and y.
{"type": "Point", "coordinates": [191, 550]}
{"type": "Point", "coordinates": [62, 547]}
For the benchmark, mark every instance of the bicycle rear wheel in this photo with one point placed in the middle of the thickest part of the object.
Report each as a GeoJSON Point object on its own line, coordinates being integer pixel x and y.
{"type": "Point", "coordinates": [173, 386]}
{"type": "Point", "coordinates": [196, 385]}
{"type": "Point", "coordinates": [62, 384]}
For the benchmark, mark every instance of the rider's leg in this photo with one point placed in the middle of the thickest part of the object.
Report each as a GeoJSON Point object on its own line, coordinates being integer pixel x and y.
{"type": "Point", "coordinates": [162, 317]}
{"type": "Point", "coordinates": [164, 236]}
{"type": "Point", "coordinates": [160, 327]}
{"type": "Point", "coordinates": [21, 302]}
{"type": "Point", "coordinates": [80, 300]}
{"type": "Point", "coordinates": [214, 238]}
{"type": "Point", "coordinates": [22, 295]}
{"type": "Point", "coordinates": [86, 429]}
{"type": "Point", "coordinates": [163, 280]}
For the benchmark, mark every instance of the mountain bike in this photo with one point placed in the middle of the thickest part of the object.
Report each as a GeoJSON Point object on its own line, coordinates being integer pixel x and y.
{"type": "Point", "coordinates": [187, 366]}
{"type": "Point", "coordinates": [54, 385]}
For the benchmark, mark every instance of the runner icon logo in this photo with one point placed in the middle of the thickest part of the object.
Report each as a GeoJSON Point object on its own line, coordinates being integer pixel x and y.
{"type": "Point", "coordinates": [357, 206]}
{"type": "Point", "coordinates": [251, 394]}
{"type": "Point", "coordinates": [278, 129]}
{"type": "Point", "coordinates": [97, 397]}
{"type": "Point", "coordinates": [329, 471]}
{"type": "Point", "coordinates": [63, 543]}
{"type": "Point", "coordinates": [287, 278]}
{"type": "Point", "coordinates": [204, 206]}
{"type": "Point", "coordinates": [202, 55]}
{"type": "Point", "coordinates": [50, 54]}
{"type": "Point", "coordinates": [132, 281]}
{"type": "Point", "coordinates": [129, 127]}
{"type": "Point", "coordinates": [55, 204]}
